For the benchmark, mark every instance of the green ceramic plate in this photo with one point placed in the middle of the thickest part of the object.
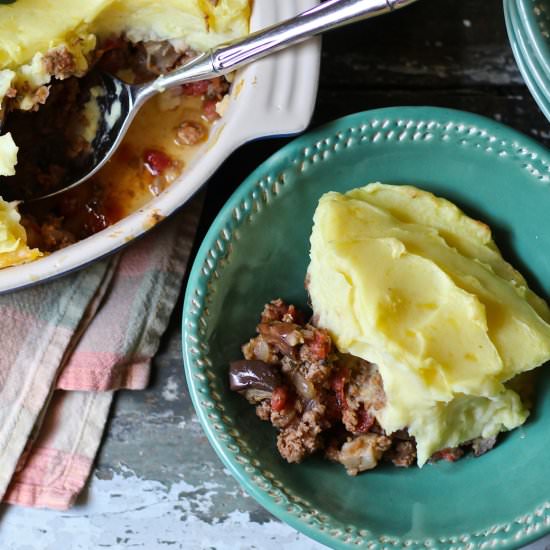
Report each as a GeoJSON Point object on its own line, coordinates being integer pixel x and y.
{"type": "Point", "coordinates": [527, 61]}
{"type": "Point", "coordinates": [527, 22]}
{"type": "Point", "coordinates": [535, 20]}
{"type": "Point", "coordinates": [257, 249]}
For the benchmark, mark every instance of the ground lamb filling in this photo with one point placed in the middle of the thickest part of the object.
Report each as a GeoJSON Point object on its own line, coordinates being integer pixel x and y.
{"type": "Point", "coordinates": [321, 400]}
{"type": "Point", "coordinates": [163, 139]}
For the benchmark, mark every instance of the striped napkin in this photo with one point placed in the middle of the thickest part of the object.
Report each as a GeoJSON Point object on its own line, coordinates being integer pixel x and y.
{"type": "Point", "coordinates": [67, 346]}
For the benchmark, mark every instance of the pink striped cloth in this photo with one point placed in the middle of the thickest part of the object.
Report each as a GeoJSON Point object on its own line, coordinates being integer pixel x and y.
{"type": "Point", "coordinates": [67, 346]}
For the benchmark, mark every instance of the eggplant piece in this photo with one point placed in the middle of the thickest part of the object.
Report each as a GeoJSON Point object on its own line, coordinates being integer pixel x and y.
{"type": "Point", "coordinates": [254, 379]}
{"type": "Point", "coordinates": [284, 336]}
{"type": "Point", "coordinates": [482, 445]}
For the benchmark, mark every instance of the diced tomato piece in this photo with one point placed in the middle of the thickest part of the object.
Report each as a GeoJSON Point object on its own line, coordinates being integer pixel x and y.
{"type": "Point", "coordinates": [450, 454]}
{"type": "Point", "coordinates": [366, 421]}
{"type": "Point", "coordinates": [338, 385]}
{"type": "Point", "coordinates": [320, 347]}
{"type": "Point", "coordinates": [279, 399]}
{"type": "Point", "coordinates": [209, 110]}
{"type": "Point", "coordinates": [195, 88]}
{"type": "Point", "coordinates": [156, 161]}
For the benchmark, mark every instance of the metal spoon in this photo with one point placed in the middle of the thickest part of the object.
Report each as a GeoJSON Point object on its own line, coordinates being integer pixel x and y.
{"type": "Point", "coordinates": [120, 101]}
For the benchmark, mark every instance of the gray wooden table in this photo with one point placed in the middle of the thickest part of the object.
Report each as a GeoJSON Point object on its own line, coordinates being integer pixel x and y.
{"type": "Point", "coordinates": [157, 483]}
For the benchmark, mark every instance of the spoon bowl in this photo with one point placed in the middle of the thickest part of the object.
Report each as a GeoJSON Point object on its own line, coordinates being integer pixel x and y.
{"type": "Point", "coordinates": [115, 100]}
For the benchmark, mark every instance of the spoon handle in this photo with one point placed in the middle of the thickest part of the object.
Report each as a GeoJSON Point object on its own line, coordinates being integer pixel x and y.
{"type": "Point", "coordinates": [326, 16]}
{"type": "Point", "coordinates": [229, 57]}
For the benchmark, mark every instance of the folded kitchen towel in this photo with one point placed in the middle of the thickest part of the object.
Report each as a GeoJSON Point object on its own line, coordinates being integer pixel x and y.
{"type": "Point", "coordinates": [67, 345]}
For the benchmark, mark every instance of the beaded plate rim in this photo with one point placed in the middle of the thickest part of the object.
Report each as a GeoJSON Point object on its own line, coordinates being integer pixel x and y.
{"type": "Point", "coordinates": [417, 124]}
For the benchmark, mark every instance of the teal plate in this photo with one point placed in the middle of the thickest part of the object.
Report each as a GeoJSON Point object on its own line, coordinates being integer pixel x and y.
{"type": "Point", "coordinates": [535, 20]}
{"type": "Point", "coordinates": [527, 60]}
{"type": "Point", "coordinates": [527, 24]}
{"type": "Point", "coordinates": [257, 249]}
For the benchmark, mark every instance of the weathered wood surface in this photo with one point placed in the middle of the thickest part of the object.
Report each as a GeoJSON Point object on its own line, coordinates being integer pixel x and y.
{"type": "Point", "coordinates": [157, 482]}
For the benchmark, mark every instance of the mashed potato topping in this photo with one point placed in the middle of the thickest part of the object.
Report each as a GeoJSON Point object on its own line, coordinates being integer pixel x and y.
{"type": "Point", "coordinates": [8, 155]}
{"type": "Point", "coordinates": [406, 280]}
{"type": "Point", "coordinates": [29, 29]}
{"type": "Point", "coordinates": [31, 26]}
{"type": "Point", "coordinates": [13, 238]}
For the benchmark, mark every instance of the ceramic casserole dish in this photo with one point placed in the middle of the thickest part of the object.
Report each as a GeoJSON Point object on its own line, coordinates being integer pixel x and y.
{"type": "Point", "coordinates": [263, 102]}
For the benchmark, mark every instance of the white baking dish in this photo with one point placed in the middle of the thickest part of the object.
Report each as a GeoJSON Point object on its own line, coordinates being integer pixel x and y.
{"type": "Point", "coordinates": [275, 96]}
